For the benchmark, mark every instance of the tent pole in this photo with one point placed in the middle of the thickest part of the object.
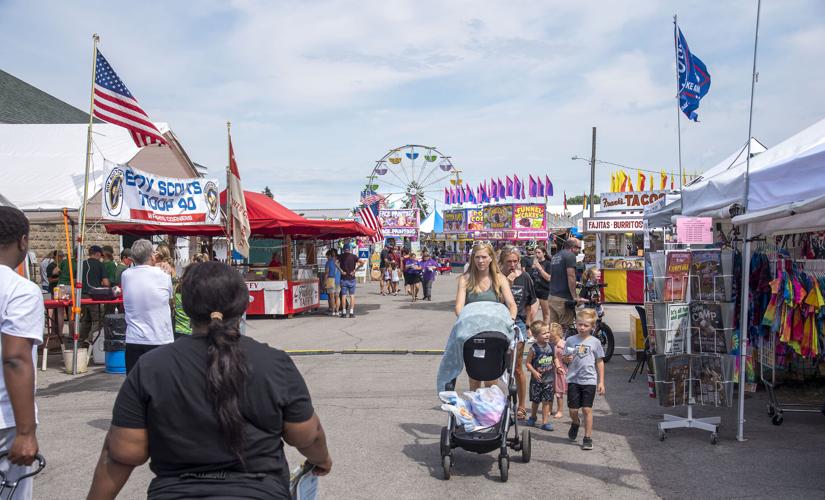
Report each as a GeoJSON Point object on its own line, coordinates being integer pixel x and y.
{"type": "Point", "coordinates": [76, 304]}
{"type": "Point", "coordinates": [746, 257]}
{"type": "Point", "coordinates": [744, 325]}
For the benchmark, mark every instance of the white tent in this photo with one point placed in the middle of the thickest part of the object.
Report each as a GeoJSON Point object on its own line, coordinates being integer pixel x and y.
{"type": "Point", "coordinates": [786, 193]}
{"type": "Point", "coordinates": [433, 223]}
{"type": "Point", "coordinates": [43, 164]}
{"type": "Point", "coordinates": [720, 186]}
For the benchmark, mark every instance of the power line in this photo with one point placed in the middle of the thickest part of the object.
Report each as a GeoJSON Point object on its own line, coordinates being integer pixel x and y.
{"type": "Point", "coordinates": [625, 166]}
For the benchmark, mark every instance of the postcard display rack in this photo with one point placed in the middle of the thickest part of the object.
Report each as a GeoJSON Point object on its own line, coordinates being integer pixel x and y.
{"type": "Point", "coordinates": [691, 328]}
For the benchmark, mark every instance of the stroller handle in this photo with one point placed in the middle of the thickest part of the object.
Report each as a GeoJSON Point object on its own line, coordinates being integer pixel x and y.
{"type": "Point", "coordinates": [41, 464]}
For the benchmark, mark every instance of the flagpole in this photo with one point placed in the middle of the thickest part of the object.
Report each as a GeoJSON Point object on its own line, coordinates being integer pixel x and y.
{"type": "Point", "coordinates": [746, 254]}
{"type": "Point", "coordinates": [228, 195]}
{"type": "Point", "coordinates": [678, 89]}
{"type": "Point", "coordinates": [79, 267]}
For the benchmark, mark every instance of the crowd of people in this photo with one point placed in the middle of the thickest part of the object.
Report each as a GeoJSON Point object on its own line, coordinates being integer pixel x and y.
{"type": "Point", "coordinates": [526, 285]}
{"type": "Point", "coordinates": [211, 410]}
{"type": "Point", "coordinates": [203, 401]}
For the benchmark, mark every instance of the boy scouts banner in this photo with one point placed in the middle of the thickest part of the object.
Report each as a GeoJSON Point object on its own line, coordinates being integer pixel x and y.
{"type": "Point", "coordinates": [133, 195]}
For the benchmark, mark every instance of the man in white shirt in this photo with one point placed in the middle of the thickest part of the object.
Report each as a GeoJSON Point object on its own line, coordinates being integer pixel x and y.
{"type": "Point", "coordinates": [147, 300]}
{"type": "Point", "coordinates": [21, 330]}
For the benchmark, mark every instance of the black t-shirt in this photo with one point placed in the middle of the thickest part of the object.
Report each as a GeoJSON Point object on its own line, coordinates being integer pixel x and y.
{"type": "Point", "coordinates": [93, 274]}
{"type": "Point", "coordinates": [539, 282]}
{"type": "Point", "coordinates": [165, 393]}
{"type": "Point", "coordinates": [348, 263]}
{"type": "Point", "coordinates": [559, 264]}
{"type": "Point", "coordinates": [524, 294]}
{"type": "Point", "coordinates": [384, 258]}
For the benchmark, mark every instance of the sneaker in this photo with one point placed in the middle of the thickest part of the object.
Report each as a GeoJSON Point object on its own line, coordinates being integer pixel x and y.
{"type": "Point", "coordinates": [531, 421]}
{"type": "Point", "coordinates": [587, 443]}
{"type": "Point", "coordinates": [351, 315]}
{"type": "Point", "coordinates": [343, 315]}
{"type": "Point", "coordinates": [573, 432]}
{"type": "Point", "coordinates": [547, 427]}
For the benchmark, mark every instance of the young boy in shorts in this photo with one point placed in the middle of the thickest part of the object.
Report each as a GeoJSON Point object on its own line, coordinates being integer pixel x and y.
{"type": "Point", "coordinates": [584, 358]}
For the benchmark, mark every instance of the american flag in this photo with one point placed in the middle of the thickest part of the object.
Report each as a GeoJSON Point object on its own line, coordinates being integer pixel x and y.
{"type": "Point", "coordinates": [114, 103]}
{"type": "Point", "coordinates": [370, 218]}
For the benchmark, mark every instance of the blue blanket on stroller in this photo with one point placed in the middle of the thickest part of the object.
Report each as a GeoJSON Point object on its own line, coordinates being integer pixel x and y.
{"type": "Point", "coordinates": [474, 318]}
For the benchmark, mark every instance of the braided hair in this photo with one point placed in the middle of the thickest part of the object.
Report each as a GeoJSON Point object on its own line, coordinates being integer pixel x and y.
{"type": "Point", "coordinates": [13, 225]}
{"type": "Point", "coordinates": [214, 295]}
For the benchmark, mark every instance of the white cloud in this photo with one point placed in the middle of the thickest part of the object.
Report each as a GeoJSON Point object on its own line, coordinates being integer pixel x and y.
{"type": "Point", "coordinates": [317, 91]}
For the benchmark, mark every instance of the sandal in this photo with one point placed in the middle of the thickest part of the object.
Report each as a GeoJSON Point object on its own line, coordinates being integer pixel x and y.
{"type": "Point", "coordinates": [521, 414]}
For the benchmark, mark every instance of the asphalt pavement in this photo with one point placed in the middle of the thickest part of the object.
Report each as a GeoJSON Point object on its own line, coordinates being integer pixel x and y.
{"type": "Point", "coordinates": [382, 418]}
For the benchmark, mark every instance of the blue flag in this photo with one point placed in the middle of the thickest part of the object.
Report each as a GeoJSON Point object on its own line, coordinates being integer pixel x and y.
{"type": "Point", "coordinates": [694, 79]}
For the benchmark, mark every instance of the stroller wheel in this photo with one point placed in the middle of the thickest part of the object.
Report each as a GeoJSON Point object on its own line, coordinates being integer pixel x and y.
{"type": "Point", "coordinates": [504, 468]}
{"type": "Point", "coordinates": [526, 445]}
{"type": "Point", "coordinates": [445, 442]}
{"type": "Point", "coordinates": [446, 465]}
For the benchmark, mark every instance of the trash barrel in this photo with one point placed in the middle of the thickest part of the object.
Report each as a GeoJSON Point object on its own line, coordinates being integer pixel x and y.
{"type": "Point", "coordinates": [114, 342]}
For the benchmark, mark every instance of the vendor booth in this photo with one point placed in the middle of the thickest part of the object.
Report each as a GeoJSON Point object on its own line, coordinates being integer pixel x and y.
{"type": "Point", "coordinates": [615, 241]}
{"type": "Point", "coordinates": [282, 272]}
{"type": "Point", "coordinates": [777, 207]}
{"type": "Point", "coordinates": [508, 222]}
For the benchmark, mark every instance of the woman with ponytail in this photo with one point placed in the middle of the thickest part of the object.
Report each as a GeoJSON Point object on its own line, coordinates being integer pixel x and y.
{"type": "Point", "coordinates": [211, 410]}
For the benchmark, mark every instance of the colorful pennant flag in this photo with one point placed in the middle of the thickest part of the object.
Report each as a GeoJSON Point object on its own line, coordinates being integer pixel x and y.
{"type": "Point", "coordinates": [548, 186]}
{"type": "Point", "coordinates": [509, 191]}
{"type": "Point", "coordinates": [517, 187]}
{"type": "Point", "coordinates": [446, 197]}
{"type": "Point", "coordinates": [533, 188]}
{"type": "Point", "coordinates": [541, 187]}
{"type": "Point", "coordinates": [663, 180]}
{"type": "Point", "coordinates": [501, 190]}
{"type": "Point", "coordinates": [640, 180]}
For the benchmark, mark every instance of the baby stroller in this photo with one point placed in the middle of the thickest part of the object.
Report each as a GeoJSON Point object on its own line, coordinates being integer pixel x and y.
{"type": "Point", "coordinates": [482, 338]}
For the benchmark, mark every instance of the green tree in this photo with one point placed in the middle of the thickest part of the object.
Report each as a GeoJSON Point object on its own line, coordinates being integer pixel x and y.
{"type": "Point", "coordinates": [267, 192]}
{"type": "Point", "coordinates": [578, 200]}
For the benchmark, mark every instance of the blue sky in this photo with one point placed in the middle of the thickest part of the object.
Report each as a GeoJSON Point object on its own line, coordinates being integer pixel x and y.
{"type": "Point", "coordinates": [318, 91]}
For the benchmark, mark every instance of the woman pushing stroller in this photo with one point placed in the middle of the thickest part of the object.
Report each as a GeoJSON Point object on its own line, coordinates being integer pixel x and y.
{"type": "Point", "coordinates": [483, 282]}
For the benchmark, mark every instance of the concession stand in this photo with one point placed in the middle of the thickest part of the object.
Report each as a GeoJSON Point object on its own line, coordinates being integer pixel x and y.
{"type": "Point", "coordinates": [282, 272]}
{"type": "Point", "coordinates": [509, 222]}
{"type": "Point", "coordinates": [614, 243]}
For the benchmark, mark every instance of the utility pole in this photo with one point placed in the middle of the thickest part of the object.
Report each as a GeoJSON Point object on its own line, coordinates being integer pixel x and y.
{"type": "Point", "coordinates": [592, 173]}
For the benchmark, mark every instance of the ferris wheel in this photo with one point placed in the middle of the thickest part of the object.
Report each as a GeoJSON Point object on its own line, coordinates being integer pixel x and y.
{"type": "Point", "coordinates": [413, 171]}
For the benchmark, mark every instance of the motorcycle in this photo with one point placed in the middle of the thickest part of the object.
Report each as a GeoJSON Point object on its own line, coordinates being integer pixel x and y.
{"type": "Point", "coordinates": [592, 295]}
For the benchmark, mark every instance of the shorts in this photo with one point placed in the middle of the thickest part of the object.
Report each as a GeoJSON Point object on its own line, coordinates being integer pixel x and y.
{"type": "Point", "coordinates": [348, 286]}
{"type": "Point", "coordinates": [412, 278]}
{"type": "Point", "coordinates": [559, 312]}
{"type": "Point", "coordinates": [540, 392]}
{"type": "Point", "coordinates": [331, 286]}
{"type": "Point", "coordinates": [521, 333]}
{"type": "Point", "coordinates": [580, 396]}
{"type": "Point", "coordinates": [542, 294]}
